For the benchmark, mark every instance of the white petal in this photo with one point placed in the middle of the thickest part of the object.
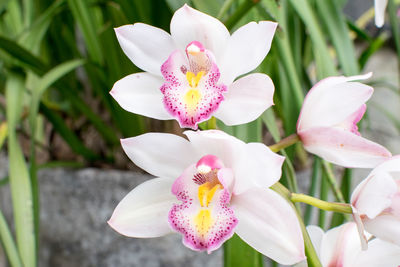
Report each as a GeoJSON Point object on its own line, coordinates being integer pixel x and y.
{"type": "Point", "coordinates": [246, 99]}
{"type": "Point", "coordinates": [385, 227]}
{"type": "Point", "coordinates": [333, 100]}
{"type": "Point", "coordinates": [379, 253]}
{"type": "Point", "coordinates": [374, 194]}
{"type": "Point", "coordinates": [246, 49]}
{"type": "Point", "coordinates": [339, 245]}
{"type": "Point", "coordinates": [380, 6]}
{"type": "Point", "coordinates": [144, 211]}
{"type": "Point", "coordinates": [343, 148]}
{"type": "Point", "coordinates": [189, 25]}
{"type": "Point", "coordinates": [316, 234]}
{"type": "Point", "coordinates": [146, 46]}
{"type": "Point", "coordinates": [160, 154]}
{"type": "Point", "coordinates": [391, 165]}
{"type": "Point", "coordinates": [217, 143]}
{"type": "Point", "coordinates": [253, 164]}
{"type": "Point", "coordinates": [257, 166]}
{"type": "Point", "coordinates": [140, 93]}
{"type": "Point", "coordinates": [269, 224]}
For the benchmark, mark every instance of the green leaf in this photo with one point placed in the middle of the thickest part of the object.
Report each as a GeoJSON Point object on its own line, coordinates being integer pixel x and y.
{"type": "Point", "coordinates": [20, 184]}
{"type": "Point", "coordinates": [8, 243]}
{"type": "Point", "coordinates": [335, 22]}
{"type": "Point", "coordinates": [33, 36]}
{"type": "Point", "coordinates": [325, 66]}
{"type": "Point", "coordinates": [83, 15]}
{"type": "Point", "coordinates": [238, 253]}
{"type": "Point", "coordinates": [22, 55]}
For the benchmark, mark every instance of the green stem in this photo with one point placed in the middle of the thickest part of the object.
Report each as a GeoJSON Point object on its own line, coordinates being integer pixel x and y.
{"type": "Point", "coordinates": [312, 258]}
{"type": "Point", "coordinates": [212, 123]}
{"type": "Point", "coordinates": [332, 181]}
{"type": "Point", "coordinates": [324, 205]}
{"type": "Point", "coordinates": [285, 142]}
{"type": "Point", "coordinates": [240, 12]}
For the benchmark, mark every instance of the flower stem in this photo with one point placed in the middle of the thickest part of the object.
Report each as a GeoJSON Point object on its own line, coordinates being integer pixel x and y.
{"type": "Point", "coordinates": [321, 204]}
{"type": "Point", "coordinates": [240, 12]}
{"type": "Point", "coordinates": [285, 142]}
{"type": "Point", "coordinates": [312, 257]}
{"type": "Point", "coordinates": [332, 181]}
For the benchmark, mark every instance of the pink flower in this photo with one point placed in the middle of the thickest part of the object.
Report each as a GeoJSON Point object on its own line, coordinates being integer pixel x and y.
{"type": "Point", "coordinates": [190, 74]}
{"type": "Point", "coordinates": [380, 6]}
{"type": "Point", "coordinates": [210, 187]}
{"type": "Point", "coordinates": [327, 124]}
{"type": "Point", "coordinates": [341, 247]}
{"type": "Point", "coordinates": [376, 202]}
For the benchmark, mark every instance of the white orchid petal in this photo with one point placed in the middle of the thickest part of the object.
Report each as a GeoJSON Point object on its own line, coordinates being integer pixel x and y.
{"type": "Point", "coordinates": [374, 194]}
{"type": "Point", "coordinates": [316, 235]}
{"type": "Point", "coordinates": [139, 93]}
{"type": "Point", "coordinates": [144, 211]}
{"type": "Point", "coordinates": [385, 227]}
{"type": "Point", "coordinates": [246, 49]}
{"type": "Point", "coordinates": [339, 245]}
{"type": "Point", "coordinates": [269, 224]}
{"type": "Point", "coordinates": [160, 154]}
{"type": "Point", "coordinates": [253, 164]}
{"type": "Point", "coordinates": [188, 24]}
{"type": "Point", "coordinates": [333, 100]}
{"type": "Point", "coordinates": [380, 6]}
{"type": "Point", "coordinates": [217, 143]}
{"type": "Point", "coordinates": [379, 253]}
{"type": "Point", "coordinates": [257, 166]}
{"type": "Point", "coordinates": [246, 99]}
{"type": "Point", "coordinates": [146, 46]}
{"type": "Point", "coordinates": [343, 148]}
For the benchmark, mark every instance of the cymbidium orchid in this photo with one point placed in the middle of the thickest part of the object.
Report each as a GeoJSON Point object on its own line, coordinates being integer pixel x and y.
{"type": "Point", "coordinates": [341, 247]}
{"type": "Point", "coordinates": [376, 202]}
{"type": "Point", "coordinates": [210, 187]}
{"type": "Point", "coordinates": [380, 7]}
{"type": "Point", "coordinates": [327, 124]}
{"type": "Point", "coordinates": [190, 74]}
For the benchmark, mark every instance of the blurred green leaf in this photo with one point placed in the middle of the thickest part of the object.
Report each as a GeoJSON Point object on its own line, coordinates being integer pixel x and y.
{"type": "Point", "coordinates": [8, 243]}
{"type": "Point", "coordinates": [20, 184]}
{"type": "Point", "coordinates": [335, 22]}
{"type": "Point", "coordinates": [325, 66]}
{"type": "Point", "coordinates": [238, 253]}
{"type": "Point", "coordinates": [87, 24]}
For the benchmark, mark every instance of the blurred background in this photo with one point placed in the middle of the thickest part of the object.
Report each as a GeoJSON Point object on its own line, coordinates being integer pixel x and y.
{"type": "Point", "coordinates": [62, 169]}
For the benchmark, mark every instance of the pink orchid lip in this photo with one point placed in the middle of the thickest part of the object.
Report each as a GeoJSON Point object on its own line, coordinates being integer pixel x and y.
{"type": "Point", "coordinates": [204, 217]}
{"type": "Point", "coordinates": [191, 89]}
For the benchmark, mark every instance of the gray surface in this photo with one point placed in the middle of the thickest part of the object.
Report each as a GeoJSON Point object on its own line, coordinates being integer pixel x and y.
{"type": "Point", "coordinates": [75, 206]}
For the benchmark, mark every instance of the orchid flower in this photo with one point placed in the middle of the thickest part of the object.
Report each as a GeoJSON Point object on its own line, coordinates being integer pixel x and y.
{"type": "Point", "coordinates": [380, 6]}
{"type": "Point", "coordinates": [190, 74]}
{"type": "Point", "coordinates": [341, 247]}
{"type": "Point", "coordinates": [376, 202]}
{"type": "Point", "coordinates": [327, 124]}
{"type": "Point", "coordinates": [210, 187]}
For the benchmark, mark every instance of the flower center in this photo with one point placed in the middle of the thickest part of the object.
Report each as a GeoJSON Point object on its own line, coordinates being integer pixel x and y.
{"type": "Point", "coordinates": [191, 89]}
{"type": "Point", "coordinates": [204, 216]}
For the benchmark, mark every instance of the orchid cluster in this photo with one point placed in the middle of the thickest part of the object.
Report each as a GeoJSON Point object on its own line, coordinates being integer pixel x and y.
{"type": "Point", "coordinates": [210, 185]}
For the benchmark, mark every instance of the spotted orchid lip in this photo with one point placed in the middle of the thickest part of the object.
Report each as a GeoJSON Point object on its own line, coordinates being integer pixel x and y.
{"type": "Point", "coordinates": [191, 89]}
{"type": "Point", "coordinates": [204, 217]}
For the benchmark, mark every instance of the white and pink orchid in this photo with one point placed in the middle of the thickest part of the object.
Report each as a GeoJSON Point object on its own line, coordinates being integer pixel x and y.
{"type": "Point", "coordinates": [190, 73]}
{"type": "Point", "coordinates": [341, 247]}
{"type": "Point", "coordinates": [376, 202]}
{"type": "Point", "coordinates": [327, 124]}
{"type": "Point", "coordinates": [380, 7]}
{"type": "Point", "coordinates": [210, 187]}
